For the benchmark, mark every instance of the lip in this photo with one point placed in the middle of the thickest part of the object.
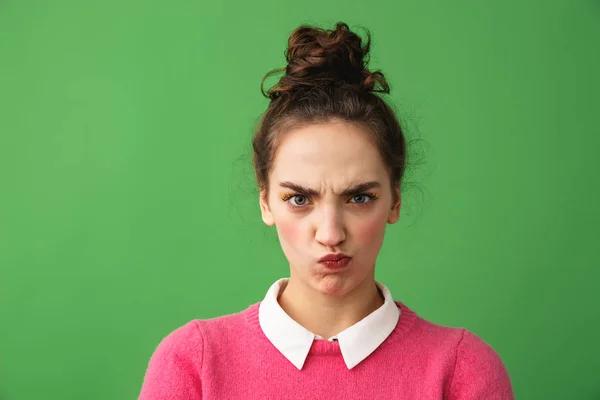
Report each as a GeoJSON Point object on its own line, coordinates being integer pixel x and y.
{"type": "Point", "coordinates": [335, 261]}
{"type": "Point", "coordinates": [333, 257]}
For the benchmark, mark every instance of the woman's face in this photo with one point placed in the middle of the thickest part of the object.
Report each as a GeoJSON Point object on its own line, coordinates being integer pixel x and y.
{"type": "Point", "coordinates": [326, 160]}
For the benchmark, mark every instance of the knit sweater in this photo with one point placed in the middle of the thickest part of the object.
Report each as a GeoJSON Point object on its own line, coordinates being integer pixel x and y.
{"type": "Point", "coordinates": [229, 357]}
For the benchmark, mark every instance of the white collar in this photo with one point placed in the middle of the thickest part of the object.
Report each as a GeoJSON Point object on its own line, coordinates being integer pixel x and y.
{"type": "Point", "coordinates": [356, 342]}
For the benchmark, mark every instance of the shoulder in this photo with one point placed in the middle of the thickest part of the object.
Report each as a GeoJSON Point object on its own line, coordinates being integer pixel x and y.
{"type": "Point", "coordinates": [426, 332]}
{"type": "Point", "coordinates": [462, 342]}
{"type": "Point", "coordinates": [193, 334]}
{"type": "Point", "coordinates": [479, 371]}
{"type": "Point", "coordinates": [222, 331]}
{"type": "Point", "coordinates": [227, 326]}
{"type": "Point", "coordinates": [184, 339]}
{"type": "Point", "coordinates": [175, 367]}
{"type": "Point", "coordinates": [180, 350]}
{"type": "Point", "coordinates": [474, 368]}
{"type": "Point", "coordinates": [474, 348]}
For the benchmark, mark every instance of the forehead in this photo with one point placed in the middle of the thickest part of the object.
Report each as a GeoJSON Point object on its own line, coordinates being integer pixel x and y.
{"type": "Point", "coordinates": [328, 153]}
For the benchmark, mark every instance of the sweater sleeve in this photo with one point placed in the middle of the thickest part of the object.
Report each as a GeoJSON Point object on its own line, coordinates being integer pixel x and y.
{"type": "Point", "coordinates": [174, 369]}
{"type": "Point", "coordinates": [479, 372]}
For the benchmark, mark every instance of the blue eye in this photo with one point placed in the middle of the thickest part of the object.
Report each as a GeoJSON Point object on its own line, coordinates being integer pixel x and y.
{"type": "Point", "coordinates": [364, 198]}
{"type": "Point", "coordinates": [299, 203]}
{"type": "Point", "coordinates": [300, 200]}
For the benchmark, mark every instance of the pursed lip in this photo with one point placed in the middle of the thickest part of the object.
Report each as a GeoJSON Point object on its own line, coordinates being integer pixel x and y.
{"type": "Point", "coordinates": [333, 257]}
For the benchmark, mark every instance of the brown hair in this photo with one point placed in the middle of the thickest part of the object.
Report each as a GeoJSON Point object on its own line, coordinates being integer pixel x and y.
{"type": "Point", "coordinates": [326, 80]}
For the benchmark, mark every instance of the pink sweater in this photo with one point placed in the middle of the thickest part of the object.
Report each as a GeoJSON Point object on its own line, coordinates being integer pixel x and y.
{"type": "Point", "coordinates": [229, 357]}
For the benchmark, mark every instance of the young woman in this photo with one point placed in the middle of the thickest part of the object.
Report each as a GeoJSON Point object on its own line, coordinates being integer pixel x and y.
{"type": "Point", "coordinates": [329, 157]}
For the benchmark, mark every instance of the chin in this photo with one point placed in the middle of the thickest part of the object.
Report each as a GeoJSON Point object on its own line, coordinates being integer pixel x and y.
{"type": "Point", "coordinates": [335, 284]}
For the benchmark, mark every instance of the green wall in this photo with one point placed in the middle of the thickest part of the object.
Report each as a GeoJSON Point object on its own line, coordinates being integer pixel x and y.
{"type": "Point", "coordinates": [128, 207]}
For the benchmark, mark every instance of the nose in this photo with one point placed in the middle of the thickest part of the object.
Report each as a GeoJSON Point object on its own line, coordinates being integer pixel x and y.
{"type": "Point", "coordinates": [329, 227]}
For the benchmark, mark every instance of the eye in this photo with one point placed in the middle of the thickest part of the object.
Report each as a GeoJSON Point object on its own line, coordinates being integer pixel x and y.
{"type": "Point", "coordinates": [363, 198]}
{"type": "Point", "coordinates": [300, 200]}
{"type": "Point", "coordinates": [360, 198]}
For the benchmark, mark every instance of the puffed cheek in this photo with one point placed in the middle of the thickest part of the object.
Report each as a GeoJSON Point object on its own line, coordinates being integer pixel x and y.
{"type": "Point", "coordinates": [288, 230]}
{"type": "Point", "coordinates": [369, 230]}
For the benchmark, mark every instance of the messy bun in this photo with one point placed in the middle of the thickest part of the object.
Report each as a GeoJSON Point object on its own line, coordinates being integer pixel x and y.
{"type": "Point", "coordinates": [326, 79]}
{"type": "Point", "coordinates": [318, 57]}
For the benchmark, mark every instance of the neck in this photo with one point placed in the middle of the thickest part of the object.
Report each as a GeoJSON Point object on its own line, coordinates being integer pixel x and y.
{"type": "Point", "coordinates": [326, 315]}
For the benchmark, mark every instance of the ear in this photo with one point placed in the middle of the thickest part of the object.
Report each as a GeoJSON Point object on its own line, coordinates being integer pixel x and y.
{"type": "Point", "coordinates": [267, 215]}
{"type": "Point", "coordinates": [394, 214]}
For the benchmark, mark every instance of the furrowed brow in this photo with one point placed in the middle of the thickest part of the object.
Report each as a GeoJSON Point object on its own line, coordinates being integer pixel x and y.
{"type": "Point", "coordinates": [361, 187]}
{"type": "Point", "coordinates": [299, 189]}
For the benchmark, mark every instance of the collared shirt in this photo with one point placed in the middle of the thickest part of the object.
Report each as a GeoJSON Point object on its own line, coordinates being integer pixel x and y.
{"type": "Point", "coordinates": [356, 342]}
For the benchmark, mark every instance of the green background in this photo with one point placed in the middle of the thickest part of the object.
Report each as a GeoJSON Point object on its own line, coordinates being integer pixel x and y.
{"type": "Point", "coordinates": [128, 206]}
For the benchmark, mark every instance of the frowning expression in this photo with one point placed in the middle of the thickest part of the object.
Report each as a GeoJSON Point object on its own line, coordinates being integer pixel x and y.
{"type": "Point", "coordinates": [329, 192]}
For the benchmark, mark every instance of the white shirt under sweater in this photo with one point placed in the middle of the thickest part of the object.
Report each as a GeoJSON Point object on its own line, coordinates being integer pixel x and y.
{"type": "Point", "coordinates": [356, 342]}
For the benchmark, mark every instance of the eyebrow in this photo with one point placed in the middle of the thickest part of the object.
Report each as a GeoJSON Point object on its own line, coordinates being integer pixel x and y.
{"type": "Point", "coordinates": [361, 187]}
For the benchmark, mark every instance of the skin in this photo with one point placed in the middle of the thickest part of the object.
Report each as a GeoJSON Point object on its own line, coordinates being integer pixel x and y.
{"type": "Point", "coordinates": [329, 158]}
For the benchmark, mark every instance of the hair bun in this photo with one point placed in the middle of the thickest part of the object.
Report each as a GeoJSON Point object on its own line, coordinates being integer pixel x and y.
{"type": "Point", "coordinates": [317, 57]}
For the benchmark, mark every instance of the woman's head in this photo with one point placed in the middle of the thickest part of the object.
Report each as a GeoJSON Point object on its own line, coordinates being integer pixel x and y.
{"type": "Point", "coordinates": [325, 133]}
